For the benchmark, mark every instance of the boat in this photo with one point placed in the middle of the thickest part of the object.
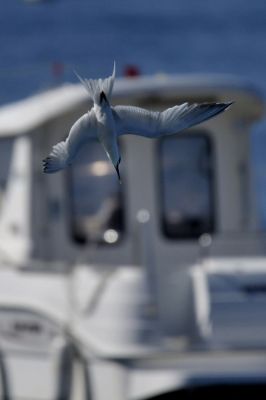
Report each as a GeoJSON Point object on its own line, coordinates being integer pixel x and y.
{"type": "Point", "coordinates": [150, 290]}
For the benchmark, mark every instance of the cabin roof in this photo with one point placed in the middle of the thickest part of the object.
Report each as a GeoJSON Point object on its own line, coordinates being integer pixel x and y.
{"type": "Point", "coordinates": [26, 115]}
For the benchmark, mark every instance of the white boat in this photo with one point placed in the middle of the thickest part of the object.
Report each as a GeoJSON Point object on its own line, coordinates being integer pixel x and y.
{"type": "Point", "coordinates": [152, 289]}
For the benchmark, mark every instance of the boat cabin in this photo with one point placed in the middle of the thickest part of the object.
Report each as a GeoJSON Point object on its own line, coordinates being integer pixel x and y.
{"type": "Point", "coordinates": [149, 280]}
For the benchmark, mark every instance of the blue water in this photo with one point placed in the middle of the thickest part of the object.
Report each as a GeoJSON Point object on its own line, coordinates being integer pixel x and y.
{"type": "Point", "coordinates": [169, 36]}
{"type": "Point", "coordinates": [172, 36]}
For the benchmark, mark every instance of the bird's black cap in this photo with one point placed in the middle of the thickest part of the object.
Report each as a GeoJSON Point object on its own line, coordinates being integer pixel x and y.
{"type": "Point", "coordinates": [103, 97]}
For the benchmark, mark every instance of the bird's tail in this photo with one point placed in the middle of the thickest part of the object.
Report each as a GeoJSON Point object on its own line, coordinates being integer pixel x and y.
{"type": "Point", "coordinates": [96, 86]}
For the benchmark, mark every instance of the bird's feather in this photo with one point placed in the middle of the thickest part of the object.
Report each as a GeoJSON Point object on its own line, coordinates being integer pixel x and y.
{"type": "Point", "coordinates": [63, 153]}
{"type": "Point", "coordinates": [94, 87]}
{"type": "Point", "coordinates": [152, 124]}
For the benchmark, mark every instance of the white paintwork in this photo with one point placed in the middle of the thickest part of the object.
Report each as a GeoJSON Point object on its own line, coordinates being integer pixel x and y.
{"type": "Point", "coordinates": [15, 230]}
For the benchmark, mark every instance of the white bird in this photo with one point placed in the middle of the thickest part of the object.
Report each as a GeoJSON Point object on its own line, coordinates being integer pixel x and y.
{"type": "Point", "coordinates": [107, 123]}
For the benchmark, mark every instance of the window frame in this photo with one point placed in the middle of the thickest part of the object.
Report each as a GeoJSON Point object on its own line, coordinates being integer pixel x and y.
{"type": "Point", "coordinates": [70, 211]}
{"type": "Point", "coordinates": [204, 133]}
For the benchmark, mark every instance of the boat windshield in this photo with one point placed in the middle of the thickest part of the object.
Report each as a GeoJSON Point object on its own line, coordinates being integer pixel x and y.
{"type": "Point", "coordinates": [187, 190]}
{"type": "Point", "coordinates": [96, 198]}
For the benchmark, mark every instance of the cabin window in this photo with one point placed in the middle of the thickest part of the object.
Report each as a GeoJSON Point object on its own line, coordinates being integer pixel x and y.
{"type": "Point", "coordinates": [96, 198]}
{"type": "Point", "coordinates": [187, 187]}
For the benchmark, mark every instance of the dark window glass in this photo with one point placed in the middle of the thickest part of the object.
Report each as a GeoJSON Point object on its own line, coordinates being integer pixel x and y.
{"type": "Point", "coordinates": [6, 153]}
{"type": "Point", "coordinates": [187, 193]}
{"type": "Point", "coordinates": [96, 201]}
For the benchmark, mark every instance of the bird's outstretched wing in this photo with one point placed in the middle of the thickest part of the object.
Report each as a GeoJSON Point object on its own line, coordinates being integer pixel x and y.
{"type": "Point", "coordinates": [153, 124]}
{"type": "Point", "coordinates": [63, 153]}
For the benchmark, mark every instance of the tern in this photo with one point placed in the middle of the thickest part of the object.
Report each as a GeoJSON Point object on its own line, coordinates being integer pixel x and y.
{"type": "Point", "coordinates": [107, 123]}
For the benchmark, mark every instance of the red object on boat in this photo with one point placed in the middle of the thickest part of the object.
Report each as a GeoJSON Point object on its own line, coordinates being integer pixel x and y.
{"type": "Point", "coordinates": [131, 71]}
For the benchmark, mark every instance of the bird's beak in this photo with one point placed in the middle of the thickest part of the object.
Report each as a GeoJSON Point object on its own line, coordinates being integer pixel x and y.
{"type": "Point", "coordinates": [117, 170]}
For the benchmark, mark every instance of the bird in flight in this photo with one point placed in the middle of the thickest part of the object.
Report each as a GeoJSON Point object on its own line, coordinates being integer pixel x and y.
{"type": "Point", "coordinates": [107, 123]}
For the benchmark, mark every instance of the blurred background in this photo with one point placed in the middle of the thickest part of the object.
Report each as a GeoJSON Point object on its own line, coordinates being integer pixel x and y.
{"type": "Point", "coordinates": [41, 42]}
{"type": "Point", "coordinates": [124, 312]}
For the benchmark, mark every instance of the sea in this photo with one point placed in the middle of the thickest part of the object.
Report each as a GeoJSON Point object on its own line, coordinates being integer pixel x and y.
{"type": "Point", "coordinates": [41, 42]}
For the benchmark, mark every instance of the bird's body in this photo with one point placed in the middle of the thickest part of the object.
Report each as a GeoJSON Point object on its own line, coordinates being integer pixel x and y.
{"type": "Point", "coordinates": [107, 132]}
{"type": "Point", "coordinates": [107, 123]}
